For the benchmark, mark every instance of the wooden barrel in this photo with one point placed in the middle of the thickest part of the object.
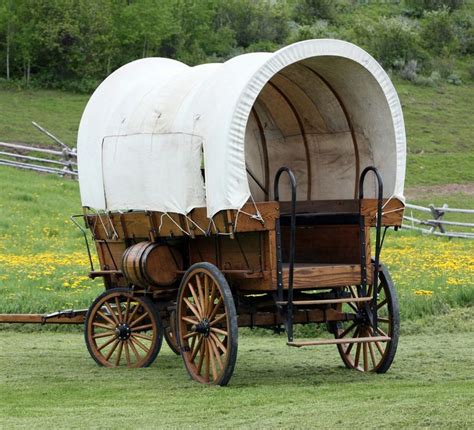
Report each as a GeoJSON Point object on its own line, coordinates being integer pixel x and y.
{"type": "Point", "coordinates": [148, 264]}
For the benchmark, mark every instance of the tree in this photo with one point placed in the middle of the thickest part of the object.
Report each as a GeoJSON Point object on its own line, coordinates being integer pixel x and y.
{"type": "Point", "coordinates": [7, 22]}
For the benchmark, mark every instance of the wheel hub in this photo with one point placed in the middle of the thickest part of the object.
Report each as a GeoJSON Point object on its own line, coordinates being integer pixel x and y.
{"type": "Point", "coordinates": [203, 327]}
{"type": "Point", "coordinates": [123, 331]}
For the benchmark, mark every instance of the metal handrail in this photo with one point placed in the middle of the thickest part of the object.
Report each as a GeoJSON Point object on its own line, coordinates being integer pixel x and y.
{"type": "Point", "coordinates": [291, 266]}
{"type": "Point", "coordinates": [84, 233]}
{"type": "Point", "coordinates": [378, 229]}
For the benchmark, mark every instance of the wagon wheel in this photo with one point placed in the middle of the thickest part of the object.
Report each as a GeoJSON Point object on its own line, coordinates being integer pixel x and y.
{"type": "Point", "coordinates": [207, 325]}
{"type": "Point", "coordinates": [169, 330]}
{"type": "Point", "coordinates": [372, 356]}
{"type": "Point", "coordinates": [122, 329]}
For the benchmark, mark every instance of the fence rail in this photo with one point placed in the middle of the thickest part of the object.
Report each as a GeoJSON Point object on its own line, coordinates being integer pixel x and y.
{"type": "Point", "coordinates": [435, 224]}
{"type": "Point", "coordinates": [40, 159]}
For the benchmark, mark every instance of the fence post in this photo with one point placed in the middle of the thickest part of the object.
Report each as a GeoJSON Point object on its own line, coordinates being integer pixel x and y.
{"type": "Point", "coordinates": [437, 215]}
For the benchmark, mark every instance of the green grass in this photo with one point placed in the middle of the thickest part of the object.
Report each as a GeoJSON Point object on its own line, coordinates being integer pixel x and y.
{"type": "Point", "coordinates": [48, 380]}
{"type": "Point", "coordinates": [57, 111]}
{"type": "Point", "coordinates": [440, 136]}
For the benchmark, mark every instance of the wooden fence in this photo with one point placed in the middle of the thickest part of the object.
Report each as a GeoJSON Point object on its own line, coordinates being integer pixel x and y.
{"type": "Point", "coordinates": [62, 162]}
{"type": "Point", "coordinates": [435, 224]}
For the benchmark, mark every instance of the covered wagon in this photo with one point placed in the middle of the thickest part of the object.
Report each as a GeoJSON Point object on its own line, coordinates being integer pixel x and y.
{"type": "Point", "coordinates": [243, 194]}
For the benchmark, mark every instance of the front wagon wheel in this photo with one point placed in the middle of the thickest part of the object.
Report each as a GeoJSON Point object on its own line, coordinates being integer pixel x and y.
{"type": "Point", "coordinates": [123, 329]}
{"type": "Point", "coordinates": [372, 356]}
{"type": "Point", "coordinates": [207, 325]}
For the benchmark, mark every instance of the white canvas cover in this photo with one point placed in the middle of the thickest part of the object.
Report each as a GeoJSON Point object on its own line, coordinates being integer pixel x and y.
{"type": "Point", "coordinates": [324, 108]}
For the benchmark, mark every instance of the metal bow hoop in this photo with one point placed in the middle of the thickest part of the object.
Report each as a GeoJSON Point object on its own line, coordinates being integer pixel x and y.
{"type": "Point", "coordinates": [378, 230]}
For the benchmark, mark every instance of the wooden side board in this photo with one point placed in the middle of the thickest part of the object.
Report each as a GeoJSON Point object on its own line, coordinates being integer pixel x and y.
{"type": "Point", "coordinates": [392, 212]}
{"type": "Point", "coordinates": [140, 225]}
{"type": "Point", "coordinates": [392, 209]}
{"type": "Point", "coordinates": [247, 254]}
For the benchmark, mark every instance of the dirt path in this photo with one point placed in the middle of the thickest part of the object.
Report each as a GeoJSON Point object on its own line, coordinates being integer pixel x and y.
{"type": "Point", "coordinates": [440, 190]}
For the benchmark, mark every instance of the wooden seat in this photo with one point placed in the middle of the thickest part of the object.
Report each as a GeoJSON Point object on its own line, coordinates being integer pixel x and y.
{"type": "Point", "coordinates": [311, 275]}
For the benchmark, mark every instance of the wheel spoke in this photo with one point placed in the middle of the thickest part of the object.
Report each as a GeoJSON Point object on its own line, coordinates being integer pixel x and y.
{"type": "Point", "coordinates": [206, 295]}
{"type": "Point", "coordinates": [202, 303]}
{"type": "Point", "coordinates": [382, 303]}
{"type": "Point", "coordinates": [190, 320]}
{"type": "Point", "coordinates": [192, 308]}
{"type": "Point", "coordinates": [119, 309]}
{"type": "Point", "coordinates": [135, 309]}
{"type": "Point", "coordinates": [197, 348]}
{"type": "Point", "coordinates": [207, 362]}
{"type": "Point", "coordinates": [106, 344]}
{"type": "Point", "coordinates": [106, 334]}
{"type": "Point", "coordinates": [106, 318]}
{"type": "Point", "coordinates": [201, 348]}
{"type": "Point", "coordinates": [140, 318]}
{"type": "Point", "coordinates": [377, 344]}
{"type": "Point", "coordinates": [219, 343]}
{"type": "Point", "coordinates": [142, 327]}
{"type": "Point", "coordinates": [193, 342]}
{"type": "Point", "coordinates": [140, 344]}
{"type": "Point", "coordinates": [353, 306]}
{"type": "Point", "coordinates": [192, 334]}
{"type": "Point", "coordinates": [372, 354]}
{"type": "Point", "coordinates": [119, 354]}
{"type": "Point", "coordinates": [114, 346]}
{"type": "Point", "coordinates": [196, 301]}
{"type": "Point", "coordinates": [353, 292]}
{"type": "Point", "coordinates": [112, 313]}
{"type": "Point", "coordinates": [348, 350]}
{"type": "Point", "coordinates": [127, 354]}
{"type": "Point", "coordinates": [212, 359]}
{"type": "Point", "coordinates": [215, 351]}
{"type": "Point", "coordinates": [216, 308]}
{"type": "Point", "coordinates": [137, 355]}
{"type": "Point", "coordinates": [357, 356]}
{"type": "Point", "coordinates": [346, 331]}
{"type": "Point", "coordinates": [217, 319]}
{"type": "Point", "coordinates": [218, 330]}
{"type": "Point", "coordinates": [96, 324]}
{"type": "Point", "coordinates": [127, 310]}
{"type": "Point", "coordinates": [143, 336]}
{"type": "Point", "coordinates": [366, 357]}
{"type": "Point", "coordinates": [211, 298]}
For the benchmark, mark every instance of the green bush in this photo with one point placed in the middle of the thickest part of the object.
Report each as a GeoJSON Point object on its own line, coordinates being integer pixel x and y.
{"type": "Point", "coordinates": [396, 39]}
{"type": "Point", "coordinates": [319, 30]}
{"type": "Point", "coordinates": [419, 6]}
{"type": "Point", "coordinates": [438, 32]}
{"type": "Point", "coordinates": [464, 31]}
{"type": "Point", "coordinates": [443, 65]}
{"type": "Point", "coordinates": [307, 11]}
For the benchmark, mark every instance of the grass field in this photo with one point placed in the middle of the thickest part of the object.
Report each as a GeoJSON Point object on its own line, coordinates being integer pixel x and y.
{"type": "Point", "coordinates": [57, 111]}
{"type": "Point", "coordinates": [49, 381]}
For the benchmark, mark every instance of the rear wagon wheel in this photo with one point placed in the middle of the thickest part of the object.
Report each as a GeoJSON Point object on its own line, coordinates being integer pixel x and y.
{"type": "Point", "coordinates": [372, 356]}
